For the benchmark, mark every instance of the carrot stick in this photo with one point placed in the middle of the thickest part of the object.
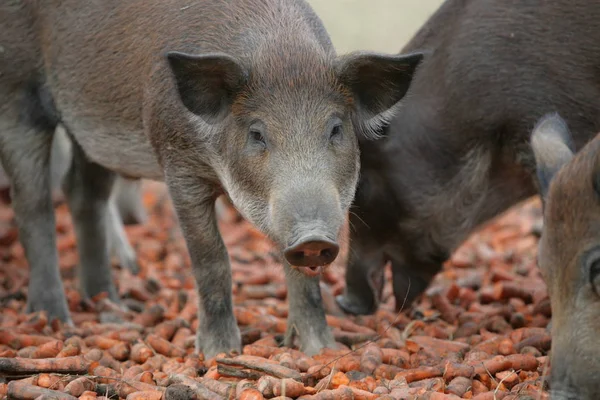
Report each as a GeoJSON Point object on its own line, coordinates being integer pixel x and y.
{"type": "Point", "coordinates": [395, 357]}
{"type": "Point", "coordinates": [420, 373]}
{"type": "Point", "coordinates": [69, 350]}
{"type": "Point", "coordinates": [348, 326]}
{"type": "Point", "coordinates": [370, 359]}
{"type": "Point", "coordinates": [180, 337]}
{"type": "Point", "coordinates": [78, 386]}
{"type": "Point", "coordinates": [459, 386]}
{"type": "Point", "coordinates": [201, 391]}
{"type": "Point", "coordinates": [540, 342]}
{"type": "Point", "coordinates": [448, 312]}
{"type": "Point", "coordinates": [48, 349]}
{"type": "Point", "coordinates": [167, 329]}
{"type": "Point", "coordinates": [22, 366]}
{"type": "Point", "coordinates": [101, 342]}
{"type": "Point", "coordinates": [19, 390]}
{"type": "Point", "coordinates": [259, 364]}
{"type": "Point", "coordinates": [454, 370]}
{"type": "Point", "coordinates": [145, 395]}
{"type": "Point", "coordinates": [140, 353]}
{"type": "Point", "coordinates": [150, 316]}
{"type": "Point", "coordinates": [218, 387]}
{"type": "Point", "coordinates": [164, 347]}
{"type": "Point", "coordinates": [18, 341]}
{"type": "Point", "coordinates": [288, 387]}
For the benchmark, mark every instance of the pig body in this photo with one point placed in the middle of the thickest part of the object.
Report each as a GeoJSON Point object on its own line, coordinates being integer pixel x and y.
{"type": "Point", "coordinates": [569, 255]}
{"type": "Point", "coordinates": [456, 154]}
{"type": "Point", "coordinates": [246, 98]}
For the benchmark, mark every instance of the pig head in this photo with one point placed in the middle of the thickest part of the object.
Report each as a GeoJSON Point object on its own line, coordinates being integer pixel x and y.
{"type": "Point", "coordinates": [569, 255]}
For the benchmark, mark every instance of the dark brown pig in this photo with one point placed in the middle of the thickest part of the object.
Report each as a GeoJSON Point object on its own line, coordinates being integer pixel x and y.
{"type": "Point", "coordinates": [569, 256]}
{"type": "Point", "coordinates": [243, 97]}
{"type": "Point", "coordinates": [456, 154]}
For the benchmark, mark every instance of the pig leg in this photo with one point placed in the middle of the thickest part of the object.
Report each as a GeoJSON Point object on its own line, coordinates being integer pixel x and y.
{"type": "Point", "coordinates": [194, 204]}
{"type": "Point", "coordinates": [410, 282]}
{"type": "Point", "coordinates": [88, 187]}
{"type": "Point", "coordinates": [118, 241]}
{"type": "Point", "coordinates": [306, 317]}
{"type": "Point", "coordinates": [364, 281]}
{"type": "Point", "coordinates": [128, 199]}
{"type": "Point", "coordinates": [25, 155]}
{"type": "Point", "coordinates": [364, 271]}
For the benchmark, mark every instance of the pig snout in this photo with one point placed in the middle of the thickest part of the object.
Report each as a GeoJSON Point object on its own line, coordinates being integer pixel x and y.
{"type": "Point", "coordinates": [308, 223]}
{"type": "Point", "coordinates": [311, 252]}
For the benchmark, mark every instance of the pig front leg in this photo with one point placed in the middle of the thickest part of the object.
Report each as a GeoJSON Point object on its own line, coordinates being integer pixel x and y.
{"type": "Point", "coordinates": [306, 317]}
{"type": "Point", "coordinates": [88, 188]}
{"type": "Point", "coordinates": [194, 203]}
{"type": "Point", "coordinates": [25, 155]}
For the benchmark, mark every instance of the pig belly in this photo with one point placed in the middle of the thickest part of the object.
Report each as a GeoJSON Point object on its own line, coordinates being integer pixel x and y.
{"type": "Point", "coordinates": [129, 154]}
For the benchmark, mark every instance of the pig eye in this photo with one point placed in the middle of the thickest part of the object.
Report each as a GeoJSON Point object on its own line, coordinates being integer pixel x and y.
{"type": "Point", "coordinates": [256, 137]}
{"type": "Point", "coordinates": [595, 276]}
{"type": "Point", "coordinates": [336, 132]}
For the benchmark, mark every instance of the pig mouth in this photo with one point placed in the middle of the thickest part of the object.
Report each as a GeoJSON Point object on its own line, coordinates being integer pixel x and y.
{"type": "Point", "coordinates": [312, 271]}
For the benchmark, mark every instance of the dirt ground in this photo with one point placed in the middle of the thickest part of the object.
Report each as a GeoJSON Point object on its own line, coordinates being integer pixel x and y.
{"type": "Point", "coordinates": [478, 332]}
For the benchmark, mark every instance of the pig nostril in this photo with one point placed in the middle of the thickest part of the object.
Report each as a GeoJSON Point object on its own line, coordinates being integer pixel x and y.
{"type": "Point", "coordinates": [312, 253]}
{"type": "Point", "coordinates": [327, 253]}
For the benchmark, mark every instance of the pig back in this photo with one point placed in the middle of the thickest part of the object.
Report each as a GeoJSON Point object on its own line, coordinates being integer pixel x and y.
{"type": "Point", "coordinates": [497, 66]}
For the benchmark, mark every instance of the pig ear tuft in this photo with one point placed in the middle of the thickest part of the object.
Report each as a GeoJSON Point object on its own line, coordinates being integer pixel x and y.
{"type": "Point", "coordinates": [377, 82]}
{"type": "Point", "coordinates": [552, 147]}
{"type": "Point", "coordinates": [207, 83]}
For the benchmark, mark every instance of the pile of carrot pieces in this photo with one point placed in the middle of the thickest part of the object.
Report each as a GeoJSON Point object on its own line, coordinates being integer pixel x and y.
{"type": "Point", "coordinates": [479, 332]}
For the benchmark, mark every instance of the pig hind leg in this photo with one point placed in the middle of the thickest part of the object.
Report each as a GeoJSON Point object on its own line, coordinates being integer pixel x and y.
{"type": "Point", "coordinates": [127, 197]}
{"type": "Point", "coordinates": [88, 187]}
{"type": "Point", "coordinates": [118, 241]}
{"type": "Point", "coordinates": [306, 318]}
{"type": "Point", "coordinates": [364, 281]}
{"type": "Point", "coordinates": [27, 125]}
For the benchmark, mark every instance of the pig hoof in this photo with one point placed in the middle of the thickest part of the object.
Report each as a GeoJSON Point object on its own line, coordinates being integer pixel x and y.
{"type": "Point", "coordinates": [56, 308]}
{"type": "Point", "coordinates": [351, 305]}
{"type": "Point", "coordinates": [133, 217]}
{"type": "Point", "coordinates": [312, 342]}
{"type": "Point", "coordinates": [130, 263]}
{"type": "Point", "coordinates": [212, 344]}
{"type": "Point", "coordinates": [314, 345]}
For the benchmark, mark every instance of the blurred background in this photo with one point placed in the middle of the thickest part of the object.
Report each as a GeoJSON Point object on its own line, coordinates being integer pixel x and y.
{"type": "Point", "coordinates": [378, 25]}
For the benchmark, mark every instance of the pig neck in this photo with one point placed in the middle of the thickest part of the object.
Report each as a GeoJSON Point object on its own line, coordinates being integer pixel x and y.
{"type": "Point", "coordinates": [440, 185]}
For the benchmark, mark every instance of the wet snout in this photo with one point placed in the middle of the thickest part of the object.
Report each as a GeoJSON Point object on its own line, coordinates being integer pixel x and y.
{"type": "Point", "coordinates": [310, 253]}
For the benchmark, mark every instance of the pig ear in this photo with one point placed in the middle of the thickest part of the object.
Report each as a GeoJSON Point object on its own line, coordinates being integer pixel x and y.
{"type": "Point", "coordinates": [552, 147]}
{"type": "Point", "coordinates": [207, 83]}
{"type": "Point", "coordinates": [377, 82]}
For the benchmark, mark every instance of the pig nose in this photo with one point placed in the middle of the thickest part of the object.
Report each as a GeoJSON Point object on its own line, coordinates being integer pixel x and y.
{"type": "Point", "coordinates": [312, 252]}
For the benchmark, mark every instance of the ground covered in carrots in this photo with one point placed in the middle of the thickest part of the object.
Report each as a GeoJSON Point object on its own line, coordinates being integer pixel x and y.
{"type": "Point", "coordinates": [479, 332]}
